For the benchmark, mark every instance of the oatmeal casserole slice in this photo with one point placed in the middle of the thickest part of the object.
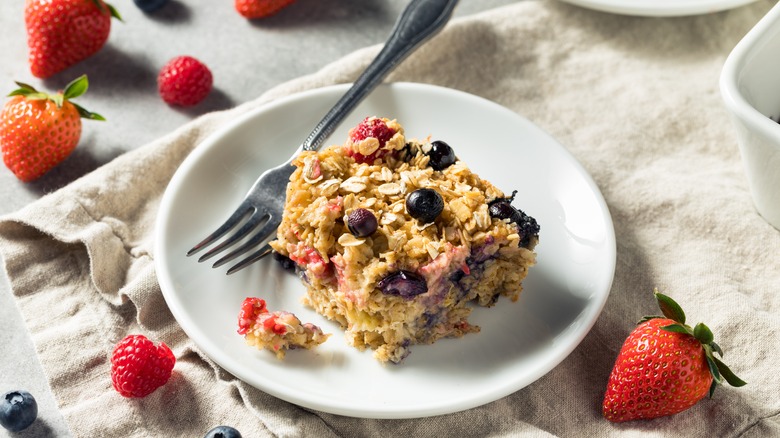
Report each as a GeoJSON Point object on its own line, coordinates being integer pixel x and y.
{"type": "Point", "coordinates": [394, 238]}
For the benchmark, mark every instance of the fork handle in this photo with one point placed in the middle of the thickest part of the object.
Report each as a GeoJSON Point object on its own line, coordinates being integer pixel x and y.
{"type": "Point", "coordinates": [419, 21]}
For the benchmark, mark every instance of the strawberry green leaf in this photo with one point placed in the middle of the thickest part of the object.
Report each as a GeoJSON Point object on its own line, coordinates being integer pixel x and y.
{"type": "Point", "coordinates": [26, 93]}
{"type": "Point", "coordinates": [703, 333]}
{"type": "Point", "coordinates": [26, 87]}
{"type": "Point", "coordinates": [103, 6]}
{"type": "Point", "coordinates": [716, 377]}
{"type": "Point", "coordinates": [648, 318]}
{"type": "Point", "coordinates": [716, 348]}
{"type": "Point", "coordinates": [677, 328]}
{"type": "Point", "coordinates": [713, 385]}
{"type": "Point", "coordinates": [87, 114]}
{"type": "Point", "coordinates": [670, 308]}
{"type": "Point", "coordinates": [99, 5]}
{"type": "Point", "coordinates": [728, 374]}
{"type": "Point", "coordinates": [114, 12]}
{"type": "Point", "coordinates": [76, 87]}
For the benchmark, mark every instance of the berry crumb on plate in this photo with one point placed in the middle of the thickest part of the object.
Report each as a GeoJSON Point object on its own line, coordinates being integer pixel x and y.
{"type": "Point", "coordinates": [276, 331]}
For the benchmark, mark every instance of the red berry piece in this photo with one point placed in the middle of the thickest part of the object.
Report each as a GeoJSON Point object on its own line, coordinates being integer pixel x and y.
{"type": "Point", "coordinates": [260, 8]}
{"type": "Point", "coordinates": [370, 127]}
{"type": "Point", "coordinates": [251, 309]}
{"type": "Point", "coordinates": [184, 81]}
{"type": "Point", "coordinates": [138, 366]}
{"type": "Point", "coordinates": [271, 324]}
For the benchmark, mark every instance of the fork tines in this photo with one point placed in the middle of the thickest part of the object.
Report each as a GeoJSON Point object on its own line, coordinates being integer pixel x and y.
{"type": "Point", "coordinates": [257, 226]}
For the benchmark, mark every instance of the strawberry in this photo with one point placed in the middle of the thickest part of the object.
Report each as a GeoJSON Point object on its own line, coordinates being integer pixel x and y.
{"type": "Point", "coordinates": [61, 33]}
{"type": "Point", "coordinates": [664, 367]}
{"type": "Point", "coordinates": [139, 367]}
{"type": "Point", "coordinates": [184, 81]}
{"type": "Point", "coordinates": [260, 8]}
{"type": "Point", "coordinates": [39, 130]}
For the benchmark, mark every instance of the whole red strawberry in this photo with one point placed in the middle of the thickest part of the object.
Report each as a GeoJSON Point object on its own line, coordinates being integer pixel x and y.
{"type": "Point", "coordinates": [260, 8]}
{"type": "Point", "coordinates": [184, 81]}
{"type": "Point", "coordinates": [664, 367]}
{"type": "Point", "coordinates": [61, 33]}
{"type": "Point", "coordinates": [138, 366]}
{"type": "Point", "coordinates": [39, 130]}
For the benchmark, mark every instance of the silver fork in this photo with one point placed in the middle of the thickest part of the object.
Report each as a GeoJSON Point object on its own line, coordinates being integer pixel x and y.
{"type": "Point", "coordinates": [261, 209]}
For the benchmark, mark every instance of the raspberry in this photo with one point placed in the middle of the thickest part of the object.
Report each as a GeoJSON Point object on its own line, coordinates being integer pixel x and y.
{"type": "Point", "coordinates": [138, 366]}
{"type": "Point", "coordinates": [251, 308]}
{"type": "Point", "coordinates": [184, 81]}
{"type": "Point", "coordinates": [271, 324]}
{"type": "Point", "coordinates": [370, 127]}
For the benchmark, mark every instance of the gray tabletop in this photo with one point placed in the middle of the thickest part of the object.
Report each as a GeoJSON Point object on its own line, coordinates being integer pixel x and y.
{"type": "Point", "coordinates": [246, 57]}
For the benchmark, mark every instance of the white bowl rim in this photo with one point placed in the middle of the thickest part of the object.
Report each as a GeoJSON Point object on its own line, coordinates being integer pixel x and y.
{"type": "Point", "coordinates": [730, 77]}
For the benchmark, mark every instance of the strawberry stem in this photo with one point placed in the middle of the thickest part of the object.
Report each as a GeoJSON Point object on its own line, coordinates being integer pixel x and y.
{"type": "Point", "coordinates": [74, 89]}
{"type": "Point", "coordinates": [701, 333]}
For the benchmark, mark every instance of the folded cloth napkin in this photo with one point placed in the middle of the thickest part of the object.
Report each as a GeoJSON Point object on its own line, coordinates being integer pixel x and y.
{"type": "Point", "coordinates": [636, 100]}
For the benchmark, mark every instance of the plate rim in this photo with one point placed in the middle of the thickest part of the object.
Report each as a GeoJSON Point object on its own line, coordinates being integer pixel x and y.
{"type": "Point", "coordinates": [166, 282]}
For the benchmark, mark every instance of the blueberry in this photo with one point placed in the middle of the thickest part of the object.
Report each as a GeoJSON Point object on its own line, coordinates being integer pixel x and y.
{"type": "Point", "coordinates": [361, 222]}
{"type": "Point", "coordinates": [150, 5]}
{"type": "Point", "coordinates": [18, 410]}
{"type": "Point", "coordinates": [287, 264]}
{"type": "Point", "coordinates": [528, 228]}
{"type": "Point", "coordinates": [526, 225]}
{"type": "Point", "coordinates": [405, 284]}
{"type": "Point", "coordinates": [441, 155]}
{"type": "Point", "coordinates": [424, 204]}
{"type": "Point", "coordinates": [502, 209]}
{"type": "Point", "coordinates": [223, 432]}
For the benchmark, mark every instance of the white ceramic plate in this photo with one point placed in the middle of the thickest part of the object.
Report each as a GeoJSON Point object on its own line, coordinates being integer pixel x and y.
{"type": "Point", "coordinates": [660, 8]}
{"type": "Point", "coordinates": [519, 342]}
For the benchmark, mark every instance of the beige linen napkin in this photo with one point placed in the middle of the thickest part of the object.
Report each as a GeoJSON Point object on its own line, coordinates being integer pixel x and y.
{"type": "Point", "coordinates": [636, 100]}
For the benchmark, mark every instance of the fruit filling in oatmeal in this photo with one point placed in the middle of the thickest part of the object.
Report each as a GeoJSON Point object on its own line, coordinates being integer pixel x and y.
{"type": "Point", "coordinates": [395, 237]}
{"type": "Point", "coordinates": [276, 331]}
